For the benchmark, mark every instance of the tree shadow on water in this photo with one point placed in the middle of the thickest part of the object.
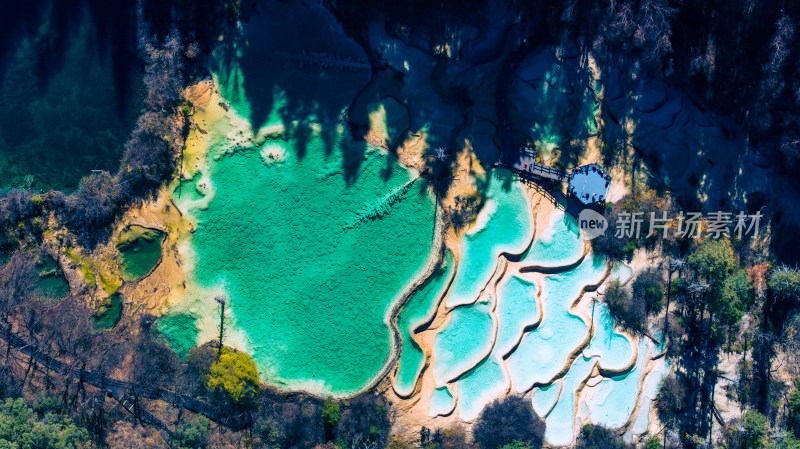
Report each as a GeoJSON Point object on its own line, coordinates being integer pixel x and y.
{"type": "Point", "coordinates": [505, 177]}
{"type": "Point", "coordinates": [307, 65]}
{"type": "Point", "coordinates": [53, 28]}
{"type": "Point", "coordinates": [352, 158]}
{"type": "Point", "coordinates": [85, 50]}
{"type": "Point", "coordinates": [388, 169]}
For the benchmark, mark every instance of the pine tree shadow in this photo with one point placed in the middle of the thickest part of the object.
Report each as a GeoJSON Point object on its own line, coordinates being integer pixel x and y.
{"type": "Point", "coordinates": [305, 70]}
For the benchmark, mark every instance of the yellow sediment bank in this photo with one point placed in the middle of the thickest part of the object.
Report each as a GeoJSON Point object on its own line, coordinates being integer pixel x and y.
{"type": "Point", "coordinates": [213, 122]}
{"type": "Point", "coordinates": [165, 285]}
{"type": "Point", "coordinates": [98, 274]}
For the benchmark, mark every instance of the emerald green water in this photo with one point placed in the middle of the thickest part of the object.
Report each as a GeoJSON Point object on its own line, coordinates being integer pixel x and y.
{"type": "Point", "coordinates": [140, 250]}
{"type": "Point", "coordinates": [180, 330]}
{"type": "Point", "coordinates": [312, 259]}
{"type": "Point", "coordinates": [109, 312]}
{"type": "Point", "coordinates": [50, 282]}
{"type": "Point", "coordinates": [312, 246]}
{"type": "Point", "coordinates": [418, 310]}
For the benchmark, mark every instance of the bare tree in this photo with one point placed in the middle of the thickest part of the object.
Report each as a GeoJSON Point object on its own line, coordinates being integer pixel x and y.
{"type": "Point", "coordinates": [96, 201]}
{"type": "Point", "coordinates": [16, 282]}
{"type": "Point", "coordinates": [163, 75]}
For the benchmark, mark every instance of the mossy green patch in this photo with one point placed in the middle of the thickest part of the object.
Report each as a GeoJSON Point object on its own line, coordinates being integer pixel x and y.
{"type": "Point", "coordinates": [108, 282]}
{"type": "Point", "coordinates": [84, 266]}
{"type": "Point", "coordinates": [109, 312]}
{"type": "Point", "coordinates": [50, 283]}
{"type": "Point", "coordinates": [315, 237]}
{"type": "Point", "coordinates": [140, 250]}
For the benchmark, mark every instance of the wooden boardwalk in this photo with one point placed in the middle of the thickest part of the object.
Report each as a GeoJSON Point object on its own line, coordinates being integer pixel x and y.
{"type": "Point", "coordinates": [123, 392]}
{"type": "Point", "coordinates": [525, 165]}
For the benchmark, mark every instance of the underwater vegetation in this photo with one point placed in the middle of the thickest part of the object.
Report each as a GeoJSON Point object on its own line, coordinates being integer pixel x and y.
{"type": "Point", "coordinates": [140, 250]}
{"type": "Point", "coordinates": [50, 282]}
{"type": "Point", "coordinates": [109, 312]}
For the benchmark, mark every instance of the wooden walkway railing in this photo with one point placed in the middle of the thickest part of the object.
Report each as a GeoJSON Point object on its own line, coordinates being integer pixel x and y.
{"type": "Point", "coordinates": [122, 391]}
{"type": "Point", "coordinates": [536, 169]}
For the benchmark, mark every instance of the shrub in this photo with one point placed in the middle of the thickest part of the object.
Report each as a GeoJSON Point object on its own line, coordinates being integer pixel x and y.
{"type": "Point", "coordinates": [596, 437]}
{"type": "Point", "coordinates": [149, 157]}
{"type": "Point", "coordinates": [269, 432]}
{"type": "Point", "coordinates": [653, 442]}
{"type": "Point", "coordinates": [154, 362]}
{"type": "Point", "coordinates": [648, 287]}
{"type": "Point", "coordinates": [713, 260]}
{"type": "Point", "coordinates": [784, 440]}
{"type": "Point", "coordinates": [784, 283]}
{"type": "Point", "coordinates": [629, 312]}
{"type": "Point", "coordinates": [516, 444]}
{"type": "Point", "coordinates": [365, 418]}
{"type": "Point", "coordinates": [234, 374]}
{"type": "Point", "coordinates": [44, 404]}
{"type": "Point", "coordinates": [19, 427]}
{"type": "Point", "coordinates": [37, 200]}
{"type": "Point", "coordinates": [95, 203]}
{"type": "Point", "coordinates": [670, 400]}
{"type": "Point", "coordinates": [199, 360]}
{"type": "Point", "coordinates": [397, 443]}
{"type": "Point", "coordinates": [330, 413]}
{"type": "Point", "coordinates": [453, 437]}
{"type": "Point", "coordinates": [192, 434]}
{"type": "Point", "coordinates": [755, 430]}
{"type": "Point", "coordinates": [330, 417]}
{"type": "Point", "coordinates": [186, 108]}
{"type": "Point", "coordinates": [164, 70]}
{"type": "Point", "coordinates": [736, 296]}
{"type": "Point", "coordinates": [506, 421]}
{"type": "Point", "coordinates": [16, 205]}
{"type": "Point", "coordinates": [464, 211]}
{"type": "Point", "coordinates": [623, 246]}
{"type": "Point", "coordinates": [16, 282]}
{"type": "Point", "coordinates": [609, 244]}
{"type": "Point", "coordinates": [730, 291]}
{"type": "Point", "coordinates": [300, 423]}
{"type": "Point", "coordinates": [793, 409]}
